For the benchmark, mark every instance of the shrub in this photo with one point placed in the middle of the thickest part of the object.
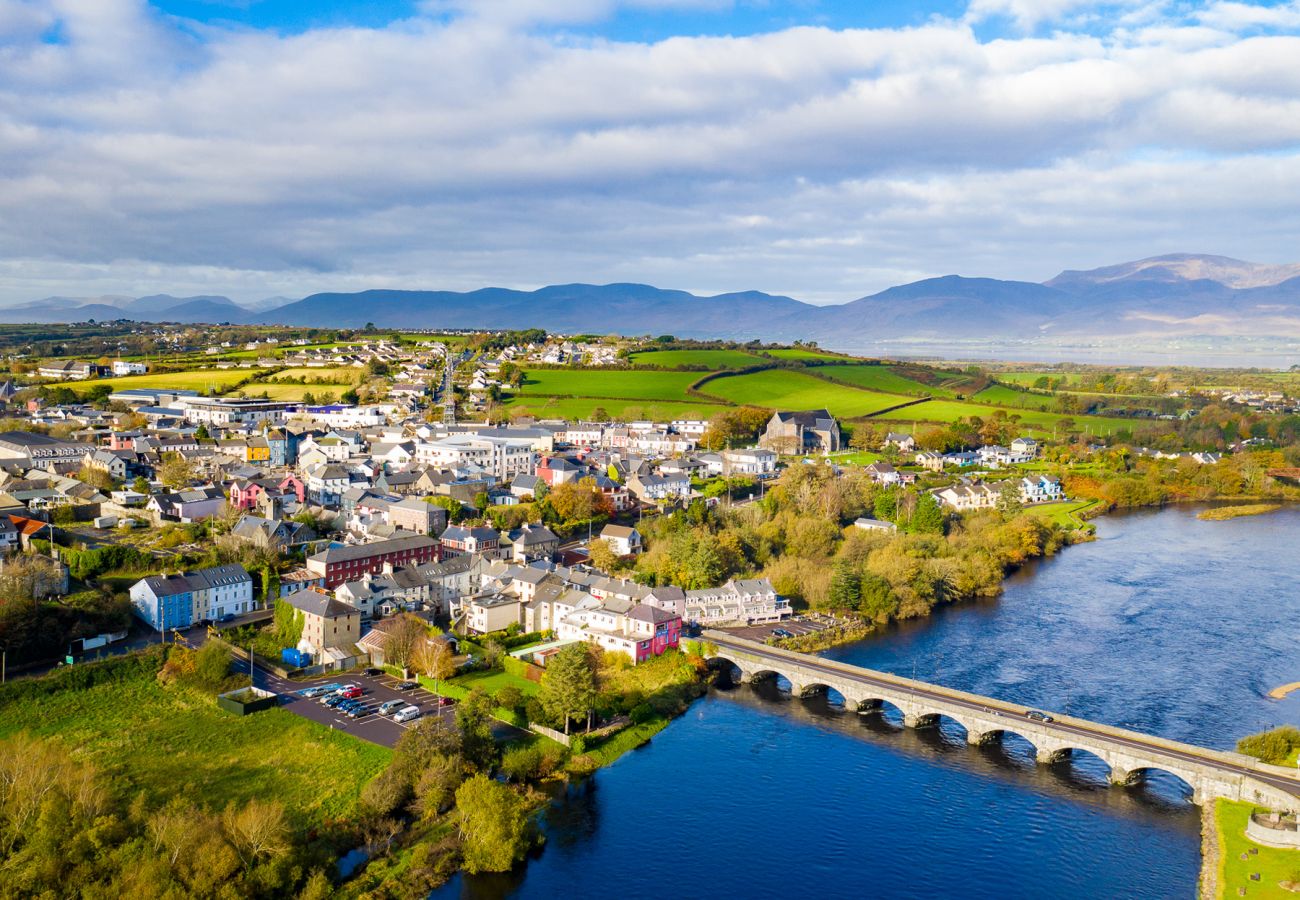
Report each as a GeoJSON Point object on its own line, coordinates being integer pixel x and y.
{"type": "Point", "coordinates": [521, 763]}
{"type": "Point", "coordinates": [510, 697]}
{"type": "Point", "coordinates": [642, 712]}
{"type": "Point", "coordinates": [1271, 746]}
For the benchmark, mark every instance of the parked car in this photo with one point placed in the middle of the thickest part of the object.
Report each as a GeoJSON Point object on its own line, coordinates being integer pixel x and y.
{"type": "Point", "coordinates": [352, 691]}
{"type": "Point", "coordinates": [445, 701]}
{"type": "Point", "coordinates": [228, 617]}
{"type": "Point", "coordinates": [407, 714]}
{"type": "Point", "coordinates": [407, 685]}
{"type": "Point", "coordinates": [781, 633]}
{"type": "Point", "coordinates": [333, 700]}
{"type": "Point", "coordinates": [356, 710]}
{"type": "Point", "coordinates": [389, 707]}
{"type": "Point", "coordinates": [372, 672]}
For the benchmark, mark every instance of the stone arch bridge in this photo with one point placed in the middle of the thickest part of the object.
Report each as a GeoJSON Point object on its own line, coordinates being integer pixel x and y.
{"type": "Point", "coordinates": [1129, 754]}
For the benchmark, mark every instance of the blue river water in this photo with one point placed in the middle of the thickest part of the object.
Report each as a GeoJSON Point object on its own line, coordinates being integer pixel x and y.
{"type": "Point", "coordinates": [1166, 623]}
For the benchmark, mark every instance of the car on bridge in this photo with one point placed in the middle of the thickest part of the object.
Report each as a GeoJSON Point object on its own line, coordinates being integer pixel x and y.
{"type": "Point", "coordinates": [1039, 716]}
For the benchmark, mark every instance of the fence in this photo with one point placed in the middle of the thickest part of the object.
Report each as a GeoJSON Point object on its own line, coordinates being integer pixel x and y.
{"type": "Point", "coordinates": [557, 736]}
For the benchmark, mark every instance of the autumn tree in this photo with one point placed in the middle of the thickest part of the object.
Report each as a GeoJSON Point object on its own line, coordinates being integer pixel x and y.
{"type": "Point", "coordinates": [493, 823]}
{"type": "Point", "coordinates": [434, 659]}
{"type": "Point", "coordinates": [405, 635]}
{"type": "Point", "coordinates": [177, 472]}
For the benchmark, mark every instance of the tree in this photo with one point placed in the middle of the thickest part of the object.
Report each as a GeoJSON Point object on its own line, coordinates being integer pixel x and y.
{"type": "Point", "coordinates": [201, 433]}
{"type": "Point", "coordinates": [474, 719]}
{"type": "Point", "coordinates": [578, 501]}
{"type": "Point", "coordinates": [434, 659]}
{"type": "Point", "coordinates": [599, 414]}
{"type": "Point", "coordinates": [1009, 501]}
{"type": "Point", "coordinates": [177, 472]}
{"type": "Point", "coordinates": [569, 684]}
{"type": "Point", "coordinates": [927, 518]}
{"type": "Point", "coordinates": [846, 587]}
{"type": "Point", "coordinates": [256, 830]}
{"type": "Point", "coordinates": [493, 822]}
{"type": "Point", "coordinates": [140, 485]}
{"type": "Point", "coordinates": [602, 556]}
{"type": "Point", "coordinates": [288, 624]}
{"type": "Point", "coordinates": [406, 633]}
{"type": "Point", "coordinates": [212, 666]}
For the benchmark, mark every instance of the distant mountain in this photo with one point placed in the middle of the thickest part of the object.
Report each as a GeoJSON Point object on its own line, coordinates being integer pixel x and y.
{"type": "Point", "coordinates": [1160, 297]}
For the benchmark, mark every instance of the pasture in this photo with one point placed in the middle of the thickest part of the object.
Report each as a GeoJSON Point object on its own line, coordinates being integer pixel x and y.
{"type": "Point", "coordinates": [294, 391]}
{"type": "Point", "coordinates": [580, 408]}
{"type": "Point", "coordinates": [331, 374]}
{"type": "Point", "coordinates": [945, 412]}
{"type": "Point", "coordinates": [787, 389]}
{"type": "Point", "coordinates": [608, 383]}
{"type": "Point", "coordinates": [710, 359]}
{"type": "Point", "coordinates": [881, 378]}
{"type": "Point", "coordinates": [200, 380]}
{"type": "Point", "coordinates": [803, 353]}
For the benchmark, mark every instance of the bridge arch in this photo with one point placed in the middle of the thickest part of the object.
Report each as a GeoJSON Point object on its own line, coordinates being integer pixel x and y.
{"type": "Point", "coordinates": [1164, 782]}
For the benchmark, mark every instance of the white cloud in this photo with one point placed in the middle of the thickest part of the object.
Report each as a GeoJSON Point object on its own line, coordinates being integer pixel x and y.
{"type": "Point", "coordinates": [481, 149]}
{"type": "Point", "coordinates": [1238, 16]}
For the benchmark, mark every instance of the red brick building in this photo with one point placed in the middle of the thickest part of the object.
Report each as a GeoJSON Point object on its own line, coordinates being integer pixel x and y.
{"type": "Point", "coordinates": [339, 565]}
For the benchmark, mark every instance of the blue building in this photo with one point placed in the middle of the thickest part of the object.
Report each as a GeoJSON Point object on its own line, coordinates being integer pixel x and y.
{"type": "Point", "coordinates": [164, 601]}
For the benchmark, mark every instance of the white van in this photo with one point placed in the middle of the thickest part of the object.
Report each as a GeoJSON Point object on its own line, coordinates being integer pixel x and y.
{"type": "Point", "coordinates": [406, 714]}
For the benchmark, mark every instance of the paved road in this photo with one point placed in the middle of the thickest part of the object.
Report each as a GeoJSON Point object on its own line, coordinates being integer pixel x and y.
{"type": "Point", "coordinates": [1063, 725]}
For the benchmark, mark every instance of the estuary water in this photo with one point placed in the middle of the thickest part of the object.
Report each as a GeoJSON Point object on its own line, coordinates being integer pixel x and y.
{"type": "Point", "coordinates": [1166, 623]}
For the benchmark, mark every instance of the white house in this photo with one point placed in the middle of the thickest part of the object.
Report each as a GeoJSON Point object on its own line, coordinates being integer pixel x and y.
{"type": "Point", "coordinates": [968, 496]}
{"type": "Point", "coordinates": [125, 367]}
{"type": "Point", "coordinates": [751, 461]}
{"type": "Point", "coordinates": [622, 539]}
{"type": "Point", "coordinates": [1042, 489]}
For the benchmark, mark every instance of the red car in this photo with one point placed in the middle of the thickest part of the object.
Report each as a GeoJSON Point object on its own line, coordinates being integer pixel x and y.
{"type": "Point", "coordinates": [445, 701]}
{"type": "Point", "coordinates": [351, 692]}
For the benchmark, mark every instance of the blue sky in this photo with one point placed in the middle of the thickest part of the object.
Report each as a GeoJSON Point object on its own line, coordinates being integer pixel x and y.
{"type": "Point", "coordinates": [268, 148]}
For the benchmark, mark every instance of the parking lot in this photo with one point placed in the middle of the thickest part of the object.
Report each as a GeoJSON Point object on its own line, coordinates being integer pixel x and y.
{"type": "Point", "coordinates": [369, 726]}
{"type": "Point", "coordinates": [796, 626]}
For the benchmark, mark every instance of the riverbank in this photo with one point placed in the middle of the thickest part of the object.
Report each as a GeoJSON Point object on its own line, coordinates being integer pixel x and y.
{"type": "Point", "coordinates": [1239, 864]}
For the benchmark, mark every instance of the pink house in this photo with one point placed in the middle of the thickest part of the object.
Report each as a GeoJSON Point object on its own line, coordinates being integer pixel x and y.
{"type": "Point", "coordinates": [293, 484]}
{"type": "Point", "coordinates": [656, 630]}
{"type": "Point", "coordinates": [245, 494]}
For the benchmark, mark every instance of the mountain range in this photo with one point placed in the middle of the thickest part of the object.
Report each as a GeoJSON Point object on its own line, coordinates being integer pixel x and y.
{"type": "Point", "coordinates": [1160, 297]}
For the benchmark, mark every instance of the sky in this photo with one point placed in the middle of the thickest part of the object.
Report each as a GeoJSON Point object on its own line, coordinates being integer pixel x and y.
{"type": "Point", "coordinates": [820, 149]}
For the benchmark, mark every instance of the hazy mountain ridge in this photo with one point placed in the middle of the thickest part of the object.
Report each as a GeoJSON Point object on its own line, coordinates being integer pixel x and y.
{"type": "Point", "coordinates": [1162, 297]}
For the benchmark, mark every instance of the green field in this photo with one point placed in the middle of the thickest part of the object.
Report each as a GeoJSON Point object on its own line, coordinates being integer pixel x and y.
{"type": "Point", "coordinates": [334, 374]}
{"type": "Point", "coordinates": [494, 680]}
{"type": "Point", "coordinates": [1066, 513]}
{"type": "Point", "coordinates": [580, 408]}
{"type": "Point", "coordinates": [712, 359]}
{"type": "Point", "coordinates": [608, 383]}
{"type": "Point", "coordinates": [947, 411]}
{"type": "Point", "coordinates": [789, 390]}
{"type": "Point", "coordinates": [1027, 379]}
{"type": "Point", "coordinates": [881, 378]}
{"type": "Point", "coordinates": [167, 741]}
{"type": "Point", "coordinates": [198, 380]}
{"type": "Point", "coordinates": [803, 353]}
{"type": "Point", "coordinates": [1273, 865]}
{"type": "Point", "coordinates": [1001, 395]}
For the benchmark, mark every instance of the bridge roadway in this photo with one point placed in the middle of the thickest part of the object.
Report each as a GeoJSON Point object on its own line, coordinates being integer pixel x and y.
{"type": "Point", "coordinates": [1129, 754]}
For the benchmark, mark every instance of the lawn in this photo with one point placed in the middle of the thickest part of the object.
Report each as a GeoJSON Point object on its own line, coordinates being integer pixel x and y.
{"type": "Point", "coordinates": [789, 390]}
{"type": "Point", "coordinates": [946, 411]}
{"type": "Point", "coordinates": [712, 359]}
{"type": "Point", "coordinates": [198, 380]}
{"type": "Point", "coordinates": [803, 353]}
{"type": "Point", "coordinates": [618, 384]}
{"type": "Point", "coordinates": [1001, 395]}
{"type": "Point", "coordinates": [494, 680]}
{"type": "Point", "coordinates": [294, 391]}
{"type": "Point", "coordinates": [881, 378]}
{"type": "Point", "coordinates": [1272, 864]}
{"type": "Point", "coordinates": [335, 374]}
{"type": "Point", "coordinates": [168, 740]}
{"type": "Point", "coordinates": [1067, 513]}
{"type": "Point", "coordinates": [581, 408]}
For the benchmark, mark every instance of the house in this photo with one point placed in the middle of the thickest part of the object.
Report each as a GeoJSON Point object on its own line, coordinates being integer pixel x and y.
{"type": "Point", "coordinates": [178, 601]}
{"type": "Point", "coordinates": [964, 497]}
{"type": "Point", "coordinates": [480, 539]}
{"type": "Point", "coordinates": [326, 483]}
{"type": "Point", "coordinates": [1025, 446]}
{"type": "Point", "coordinates": [654, 488]}
{"type": "Point", "coordinates": [126, 367]}
{"type": "Point", "coordinates": [809, 431]}
{"type": "Point", "coordinates": [187, 506]}
{"type": "Point", "coordinates": [339, 564]}
{"type": "Point", "coordinates": [883, 473]}
{"type": "Point", "coordinates": [532, 540]}
{"type": "Point", "coordinates": [414, 514]}
{"type": "Point", "coordinates": [623, 540]}
{"type": "Point", "coordinates": [276, 534]}
{"type": "Point", "coordinates": [874, 525]}
{"type": "Point", "coordinates": [930, 460]}
{"type": "Point", "coordinates": [491, 612]}
{"type": "Point", "coordinates": [748, 602]}
{"type": "Point", "coordinates": [328, 624]}
{"type": "Point", "coordinates": [904, 442]}
{"type": "Point", "coordinates": [69, 371]}
{"type": "Point", "coordinates": [35, 449]}
{"type": "Point", "coordinates": [751, 461]}
{"type": "Point", "coordinates": [1041, 489]}
{"type": "Point", "coordinates": [556, 470]}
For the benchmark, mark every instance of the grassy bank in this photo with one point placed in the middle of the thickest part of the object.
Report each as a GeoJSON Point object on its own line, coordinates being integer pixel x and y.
{"type": "Point", "coordinates": [1274, 866]}
{"type": "Point", "coordinates": [160, 739]}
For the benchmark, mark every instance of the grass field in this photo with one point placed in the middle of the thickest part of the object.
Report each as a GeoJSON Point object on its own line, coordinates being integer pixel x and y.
{"type": "Point", "coordinates": [494, 680]}
{"type": "Point", "coordinates": [169, 740]}
{"type": "Point", "coordinates": [713, 359]}
{"type": "Point", "coordinates": [608, 383]}
{"type": "Point", "coordinates": [947, 411]}
{"type": "Point", "coordinates": [788, 390]}
{"type": "Point", "coordinates": [294, 391]}
{"type": "Point", "coordinates": [197, 380]}
{"type": "Point", "coordinates": [1066, 514]}
{"type": "Point", "coordinates": [1001, 395]}
{"type": "Point", "coordinates": [1272, 864]}
{"type": "Point", "coordinates": [881, 378]}
{"type": "Point", "coordinates": [580, 408]}
{"type": "Point", "coordinates": [1027, 379]}
{"type": "Point", "coordinates": [803, 353]}
{"type": "Point", "coordinates": [335, 374]}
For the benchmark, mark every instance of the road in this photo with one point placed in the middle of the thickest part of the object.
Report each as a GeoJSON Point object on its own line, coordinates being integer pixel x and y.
{"type": "Point", "coordinates": [1015, 714]}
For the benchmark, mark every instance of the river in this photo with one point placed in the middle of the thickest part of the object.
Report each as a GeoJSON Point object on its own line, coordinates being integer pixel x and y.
{"type": "Point", "coordinates": [1166, 623]}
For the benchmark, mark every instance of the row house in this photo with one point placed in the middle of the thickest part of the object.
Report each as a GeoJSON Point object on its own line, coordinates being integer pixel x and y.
{"type": "Point", "coordinates": [179, 601]}
{"type": "Point", "coordinates": [340, 564]}
{"type": "Point", "coordinates": [963, 497]}
{"type": "Point", "coordinates": [1041, 489]}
